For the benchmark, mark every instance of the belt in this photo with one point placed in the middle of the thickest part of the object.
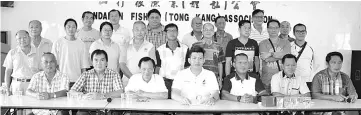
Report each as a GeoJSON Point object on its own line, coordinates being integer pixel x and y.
{"type": "Point", "coordinates": [21, 80]}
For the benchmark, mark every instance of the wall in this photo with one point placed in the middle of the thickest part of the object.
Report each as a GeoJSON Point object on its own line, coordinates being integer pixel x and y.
{"type": "Point", "coordinates": [332, 26]}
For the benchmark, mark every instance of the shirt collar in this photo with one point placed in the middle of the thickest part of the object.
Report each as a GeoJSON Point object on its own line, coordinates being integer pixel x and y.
{"type": "Point", "coordinates": [239, 78]}
{"type": "Point", "coordinates": [57, 72]}
{"type": "Point", "coordinates": [285, 76]}
{"type": "Point", "coordinates": [167, 46]}
{"type": "Point", "coordinates": [156, 29]}
{"type": "Point", "coordinates": [192, 33]}
{"type": "Point", "coordinates": [111, 42]}
{"type": "Point", "coordinates": [32, 50]}
{"type": "Point", "coordinates": [217, 33]}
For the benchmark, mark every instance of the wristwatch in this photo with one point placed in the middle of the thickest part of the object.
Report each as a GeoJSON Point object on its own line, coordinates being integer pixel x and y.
{"type": "Point", "coordinates": [239, 98]}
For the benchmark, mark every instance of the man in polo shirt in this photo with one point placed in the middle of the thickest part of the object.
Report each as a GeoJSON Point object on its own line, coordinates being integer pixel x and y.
{"type": "Point", "coordinates": [272, 50]}
{"type": "Point", "coordinates": [121, 35]}
{"type": "Point", "coordinates": [41, 44]}
{"type": "Point", "coordinates": [21, 63]}
{"type": "Point", "coordinates": [285, 30]}
{"type": "Point", "coordinates": [304, 53]}
{"type": "Point", "coordinates": [171, 57]}
{"type": "Point", "coordinates": [146, 84]}
{"type": "Point", "coordinates": [258, 31]}
{"type": "Point", "coordinates": [195, 85]}
{"type": "Point", "coordinates": [242, 86]}
{"type": "Point", "coordinates": [155, 33]}
{"type": "Point", "coordinates": [48, 84]}
{"type": "Point", "coordinates": [137, 48]}
{"type": "Point", "coordinates": [214, 55]}
{"type": "Point", "coordinates": [196, 34]}
{"type": "Point", "coordinates": [285, 83]}
{"type": "Point", "coordinates": [332, 84]}
{"type": "Point", "coordinates": [243, 44]}
{"type": "Point", "coordinates": [99, 82]}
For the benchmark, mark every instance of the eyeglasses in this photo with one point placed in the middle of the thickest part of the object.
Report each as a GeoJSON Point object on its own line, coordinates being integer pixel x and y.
{"type": "Point", "coordinates": [300, 31]}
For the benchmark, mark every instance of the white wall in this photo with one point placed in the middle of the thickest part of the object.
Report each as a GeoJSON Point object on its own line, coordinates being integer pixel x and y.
{"type": "Point", "coordinates": [332, 26]}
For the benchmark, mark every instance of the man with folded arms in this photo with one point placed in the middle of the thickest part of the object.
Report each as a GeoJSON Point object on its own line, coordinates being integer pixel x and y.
{"type": "Point", "coordinates": [48, 84]}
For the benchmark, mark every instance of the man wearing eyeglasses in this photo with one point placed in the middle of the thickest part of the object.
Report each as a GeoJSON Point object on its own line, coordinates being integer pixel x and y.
{"type": "Point", "coordinates": [272, 50]}
{"type": "Point", "coordinates": [258, 31]}
{"type": "Point", "coordinates": [285, 30]}
{"type": "Point", "coordinates": [304, 53]}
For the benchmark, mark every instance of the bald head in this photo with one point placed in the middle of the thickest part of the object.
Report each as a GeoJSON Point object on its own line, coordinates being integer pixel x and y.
{"type": "Point", "coordinates": [139, 30]}
{"type": "Point", "coordinates": [35, 28]}
{"type": "Point", "coordinates": [197, 24]}
{"type": "Point", "coordinates": [285, 27]}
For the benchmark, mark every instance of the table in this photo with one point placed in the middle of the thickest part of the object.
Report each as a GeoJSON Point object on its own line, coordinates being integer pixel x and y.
{"type": "Point", "coordinates": [26, 102]}
{"type": "Point", "coordinates": [228, 106]}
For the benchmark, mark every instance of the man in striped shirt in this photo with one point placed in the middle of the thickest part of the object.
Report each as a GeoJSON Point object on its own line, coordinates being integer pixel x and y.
{"type": "Point", "coordinates": [258, 31]}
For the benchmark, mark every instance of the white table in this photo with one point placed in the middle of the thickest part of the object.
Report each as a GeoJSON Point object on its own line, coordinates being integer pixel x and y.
{"type": "Point", "coordinates": [227, 106]}
{"type": "Point", "coordinates": [27, 102]}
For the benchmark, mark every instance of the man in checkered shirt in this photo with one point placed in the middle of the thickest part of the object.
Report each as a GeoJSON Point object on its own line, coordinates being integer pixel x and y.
{"type": "Point", "coordinates": [99, 82]}
{"type": "Point", "coordinates": [48, 84]}
{"type": "Point", "coordinates": [155, 33]}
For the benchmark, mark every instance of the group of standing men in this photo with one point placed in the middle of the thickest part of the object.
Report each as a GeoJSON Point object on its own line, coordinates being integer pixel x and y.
{"type": "Point", "coordinates": [153, 63]}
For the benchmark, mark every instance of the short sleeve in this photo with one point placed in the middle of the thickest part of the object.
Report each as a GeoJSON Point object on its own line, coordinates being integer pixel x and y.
{"type": "Point", "coordinates": [85, 57]}
{"type": "Point", "coordinates": [221, 56]}
{"type": "Point", "coordinates": [33, 82]}
{"type": "Point", "coordinates": [227, 84]}
{"type": "Point", "coordinates": [211, 81]}
{"type": "Point", "coordinates": [131, 83]}
{"type": "Point", "coordinates": [79, 84]}
{"type": "Point", "coordinates": [259, 85]}
{"type": "Point", "coordinates": [117, 83]}
{"type": "Point", "coordinates": [161, 84]}
{"type": "Point", "coordinates": [256, 49]}
{"type": "Point", "coordinates": [177, 82]}
{"type": "Point", "coordinates": [263, 46]}
{"type": "Point", "coordinates": [303, 87]}
{"type": "Point", "coordinates": [65, 82]}
{"type": "Point", "coordinates": [317, 84]}
{"type": "Point", "coordinates": [275, 83]}
{"type": "Point", "coordinates": [287, 47]}
{"type": "Point", "coordinates": [230, 49]}
{"type": "Point", "coordinates": [122, 54]}
{"type": "Point", "coordinates": [8, 62]}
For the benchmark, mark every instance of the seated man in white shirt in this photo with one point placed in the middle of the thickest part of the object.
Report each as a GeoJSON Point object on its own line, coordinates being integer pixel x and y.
{"type": "Point", "coordinates": [195, 85]}
{"type": "Point", "coordinates": [48, 84]}
{"type": "Point", "coordinates": [146, 84]}
{"type": "Point", "coordinates": [285, 83]}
